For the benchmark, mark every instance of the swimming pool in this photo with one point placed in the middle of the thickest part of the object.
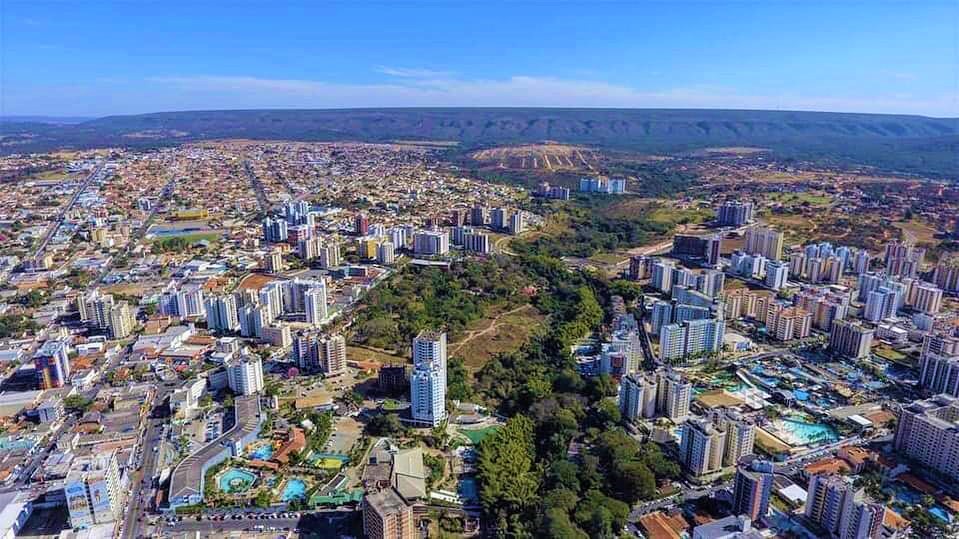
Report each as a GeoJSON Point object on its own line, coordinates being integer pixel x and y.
{"type": "Point", "coordinates": [236, 480]}
{"type": "Point", "coordinates": [294, 489]}
{"type": "Point", "coordinates": [262, 452]}
{"type": "Point", "coordinates": [940, 513]}
{"type": "Point", "coordinates": [467, 489]}
{"type": "Point", "coordinates": [809, 433]}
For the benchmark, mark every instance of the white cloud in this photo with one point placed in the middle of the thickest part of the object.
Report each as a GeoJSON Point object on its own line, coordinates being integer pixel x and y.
{"type": "Point", "coordinates": [414, 73]}
{"type": "Point", "coordinates": [424, 88]}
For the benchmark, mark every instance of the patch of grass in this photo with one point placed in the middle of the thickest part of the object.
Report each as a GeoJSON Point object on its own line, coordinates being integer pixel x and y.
{"type": "Point", "coordinates": [495, 334]}
{"type": "Point", "coordinates": [804, 198]}
{"type": "Point", "coordinates": [192, 237]}
{"type": "Point", "coordinates": [361, 353]}
{"type": "Point", "coordinates": [56, 175]}
{"type": "Point", "coordinates": [478, 435]}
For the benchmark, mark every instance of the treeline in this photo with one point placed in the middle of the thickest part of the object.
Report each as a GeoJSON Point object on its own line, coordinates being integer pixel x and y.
{"type": "Point", "coordinates": [591, 230]}
{"type": "Point", "coordinates": [431, 298]}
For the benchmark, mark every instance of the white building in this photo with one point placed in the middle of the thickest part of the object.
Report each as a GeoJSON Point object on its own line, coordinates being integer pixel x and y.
{"type": "Point", "coordinates": [245, 375]}
{"type": "Point", "coordinates": [314, 303]}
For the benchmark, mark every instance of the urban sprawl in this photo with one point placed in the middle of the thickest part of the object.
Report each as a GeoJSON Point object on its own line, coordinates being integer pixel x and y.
{"type": "Point", "coordinates": [294, 339]}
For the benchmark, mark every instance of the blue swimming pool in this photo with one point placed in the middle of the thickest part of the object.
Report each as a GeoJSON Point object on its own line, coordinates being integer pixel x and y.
{"type": "Point", "coordinates": [236, 480]}
{"type": "Point", "coordinates": [940, 513]}
{"type": "Point", "coordinates": [468, 490]}
{"type": "Point", "coordinates": [295, 489]}
{"type": "Point", "coordinates": [810, 433]}
{"type": "Point", "coordinates": [262, 452]}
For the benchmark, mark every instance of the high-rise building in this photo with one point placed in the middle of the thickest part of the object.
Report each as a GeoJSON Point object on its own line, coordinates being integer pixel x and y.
{"type": "Point", "coordinates": [881, 304]}
{"type": "Point", "coordinates": [499, 218]}
{"type": "Point", "coordinates": [309, 248]}
{"type": "Point", "coordinates": [330, 256]}
{"type": "Point", "coordinates": [94, 308]}
{"type": "Point", "coordinates": [387, 516]}
{"type": "Point", "coordinates": [928, 433]}
{"type": "Point", "coordinates": [431, 243]}
{"type": "Point", "coordinates": [861, 262]}
{"type": "Point", "coordinates": [637, 396]}
{"type": "Point", "coordinates": [946, 275]}
{"type": "Point", "coordinates": [903, 259]}
{"type": "Point", "coordinates": [121, 321]}
{"type": "Point", "coordinates": [275, 230]}
{"type": "Point", "coordinates": [764, 241]}
{"type": "Point", "coordinates": [661, 275]}
{"type": "Point", "coordinates": [222, 314]}
{"type": "Point", "coordinates": [314, 300]}
{"type": "Point", "coordinates": [787, 323]}
{"type": "Point", "coordinates": [245, 375]}
{"type": "Point", "coordinates": [924, 297]}
{"type": "Point", "coordinates": [734, 213]}
{"type": "Point", "coordinates": [428, 380]}
{"type": "Point", "coordinates": [640, 268]}
{"type": "Point", "coordinates": [479, 216]}
{"type": "Point", "coordinates": [705, 250]}
{"type": "Point", "coordinates": [861, 520]}
{"type": "Point", "coordinates": [386, 254]}
{"type": "Point", "coordinates": [93, 491]}
{"type": "Point", "coordinates": [273, 262]}
{"type": "Point", "coordinates": [850, 339]}
{"type": "Point", "coordinates": [361, 225]}
{"type": "Point", "coordinates": [517, 223]}
{"type": "Point", "coordinates": [939, 364]}
{"type": "Point", "coordinates": [52, 364]}
{"type": "Point", "coordinates": [711, 282]}
{"type": "Point", "coordinates": [776, 274]}
{"type": "Point", "coordinates": [701, 446]}
{"type": "Point", "coordinates": [476, 242]}
{"type": "Point", "coordinates": [691, 338]}
{"type": "Point", "coordinates": [740, 434]}
{"type": "Point", "coordinates": [826, 305]}
{"type": "Point", "coordinates": [825, 500]}
{"type": "Point", "coordinates": [673, 395]}
{"type": "Point", "coordinates": [752, 489]}
{"type": "Point", "coordinates": [332, 352]}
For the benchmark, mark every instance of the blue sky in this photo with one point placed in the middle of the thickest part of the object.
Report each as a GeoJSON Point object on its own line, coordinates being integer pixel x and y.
{"type": "Point", "coordinates": [98, 58]}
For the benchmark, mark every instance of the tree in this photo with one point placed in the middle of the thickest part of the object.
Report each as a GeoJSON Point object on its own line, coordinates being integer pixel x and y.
{"type": "Point", "coordinates": [384, 425]}
{"type": "Point", "coordinates": [508, 475]}
{"type": "Point", "coordinates": [457, 380]}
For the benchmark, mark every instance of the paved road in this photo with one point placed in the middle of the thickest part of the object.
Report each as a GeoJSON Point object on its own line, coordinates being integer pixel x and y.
{"type": "Point", "coordinates": [142, 479]}
{"type": "Point", "coordinates": [66, 209]}
{"type": "Point", "coordinates": [261, 200]}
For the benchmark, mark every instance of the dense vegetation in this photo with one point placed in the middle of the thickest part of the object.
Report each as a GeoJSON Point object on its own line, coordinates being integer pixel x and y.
{"type": "Point", "coordinates": [430, 298]}
{"type": "Point", "coordinates": [908, 143]}
{"type": "Point", "coordinates": [591, 228]}
{"type": "Point", "coordinates": [12, 325]}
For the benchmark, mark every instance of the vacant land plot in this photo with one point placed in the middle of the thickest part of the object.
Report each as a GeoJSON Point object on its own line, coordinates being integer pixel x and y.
{"type": "Point", "coordinates": [501, 331]}
{"type": "Point", "coordinates": [362, 353]}
{"type": "Point", "coordinates": [918, 232]}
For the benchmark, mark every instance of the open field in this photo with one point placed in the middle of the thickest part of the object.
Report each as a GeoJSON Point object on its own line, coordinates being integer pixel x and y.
{"type": "Point", "coordinates": [501, 331]}
{"type": "Point", "coordinates": [917, 231]}
{"type": "Point", "coordinates": [362, 353]}
{"type": "Point", "coordinates": [56, 175]}
{"type": "Point", "coordinates": [807, 198]}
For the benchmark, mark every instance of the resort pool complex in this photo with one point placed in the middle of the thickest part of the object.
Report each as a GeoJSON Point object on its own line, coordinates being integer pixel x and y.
{"type": "Point", "coordinates": [262, 452]}
{"type": "Point", "coordinates": [236, 480]}
{"type": "Point", "coordinates": [295, 489]}
{"type": "Point", "coordinates": [809, 433]}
